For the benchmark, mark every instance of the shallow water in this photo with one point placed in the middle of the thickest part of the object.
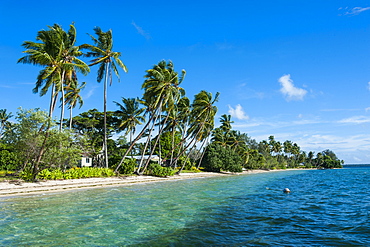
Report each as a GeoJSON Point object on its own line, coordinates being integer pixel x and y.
{"type": "Point", "coordinates": [325, 208]}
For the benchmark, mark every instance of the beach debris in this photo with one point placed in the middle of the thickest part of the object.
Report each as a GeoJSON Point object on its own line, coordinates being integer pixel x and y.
{"type": "Point", "coordinates": [286, 190]}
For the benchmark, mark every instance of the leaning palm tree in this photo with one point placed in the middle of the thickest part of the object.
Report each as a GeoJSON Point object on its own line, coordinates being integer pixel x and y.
{"type": "Point", "coordinates": [162, 91]}
{"type": "Point", "coordinates": [226, 122]}
{"type": "Point", "coordinates": [173, 126]}
{"type": "Point", "coordinates": [202, 114]}
{"type": "Point", "coordinates": [72, 97]}
{"type": "Point", "coordinates": [107, 59]}
{"type": "Point", "coordinates": [144, 131]}
{"type": "Point", "coordinates": [130, 115]}
{"type": "Point", "coordinates": [4, 120]}
{"type": "Point", "coordinates": [184, 111]}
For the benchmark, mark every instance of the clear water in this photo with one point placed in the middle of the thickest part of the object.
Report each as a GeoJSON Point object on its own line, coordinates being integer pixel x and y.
{"type": "Point", "coordinates": [325, 208]}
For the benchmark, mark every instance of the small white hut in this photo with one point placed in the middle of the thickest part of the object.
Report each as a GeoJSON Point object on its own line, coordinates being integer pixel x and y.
{"type": "Point", "coordinates": [86, 161]}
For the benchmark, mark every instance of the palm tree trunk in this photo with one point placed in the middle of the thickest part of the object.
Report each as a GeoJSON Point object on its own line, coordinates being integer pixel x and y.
{"type": "Point", "coordinates": [194, 138]}
{"type": "Point", "coordinates": [63, 99]}
{"type": "Point", "coordinates": [187, 157]}
{"type": "Point", "coordinates": [183, 151]}
{"type": "Point", "coordinates": [145, 147]}
{"type": "Point", "coordinates": [172, 143]}
{"type": "Point", "coordinates": [55, 100]}
{"type": "Point", "coordinates": [138, 137]}
{"type": "Point", "coordinates": [39, 157]}
{"type": "Point", "coordinates": [52, 98]}
{"type": "Point", "coordinates": [186, 160]}
{"type": "Point", "coordinates": [183, 140]}
{"type": "Point", "coordinates": [155, 144]}
{"type": "Point", "coordinates": [105, 116]}
{"type": "Point", "coordinates": [70, 118]}
{"type": "Point", "coordinates": [204, 151]}
{"type": "Point", "coordinates": [131, 134]}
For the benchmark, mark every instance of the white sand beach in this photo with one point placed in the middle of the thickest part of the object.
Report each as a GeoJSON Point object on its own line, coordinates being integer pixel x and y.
{"type": "Point", "coordinates": [16, 188]}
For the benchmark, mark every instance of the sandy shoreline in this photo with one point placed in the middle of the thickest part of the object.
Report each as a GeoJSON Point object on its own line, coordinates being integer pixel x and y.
{"type": "Point", "coordinates": [16, 189]}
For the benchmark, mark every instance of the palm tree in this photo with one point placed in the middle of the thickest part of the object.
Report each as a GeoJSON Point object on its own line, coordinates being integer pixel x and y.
{"type": "Point", "coordinates": [72, 97]}
{"type": "Point", "coordinates": [70, 64]}
{"type": "Point", "coordinates": [205, 136]}
{"type": "Point", "coordinates": [130, 115]}
{"type": "Point", "coordinates": [144, 130]}
{"type": "Point", "coordinates": [162, 92]}
{"type": "Point", "coordinates": [310, 157]}
{"type": "Point", "coordinates": [45, 54]}
{"type": "Point", "coordinates": [58, 55]}
{"type": "Point", "coordinates": [319, 159]}
{"type": "Point", "coordinates": [174, 123]}
{"type": "Point", "coordinates": [4, 123]}
{"type": "Point", "coordinates": [296, 150]}
{"type": "Point", "coordinates": [287, 146]}
{"type": "Point", "coordinates": [226, 122]}
{"type": "Point", "coordinates": [106, 58]}
{"type": "Point", "coordinates": [178, 121]}
{"type": "Point", "coordinates": [202, 114]}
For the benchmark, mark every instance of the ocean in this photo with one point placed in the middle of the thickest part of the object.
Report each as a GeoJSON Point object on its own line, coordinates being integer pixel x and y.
{"type": "Point", "coordinates": [324, 208]}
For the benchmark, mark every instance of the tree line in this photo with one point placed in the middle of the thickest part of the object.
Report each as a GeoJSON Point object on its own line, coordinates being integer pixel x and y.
{"type": "Point", "coordinates": [163, 122]}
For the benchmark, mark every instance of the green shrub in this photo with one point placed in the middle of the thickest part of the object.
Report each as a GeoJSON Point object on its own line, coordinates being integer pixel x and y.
{"type": "Point", "coordinates": [26, 174]}
{"type": "Point", "coordinates": [128, 167]}
{"type": "Point", "coordinates": [188, 164]}
{"type": "Point", "coordinates": [8, 160]}
{"type": "Point", "coordinates": [106, 172]}
{"type": "Point", "coordinates": [44, 174]}
{"type": "Point", "coordinates": [217, 158]}
{"type": "Point", "coordinates": [157, 170]}
{"type": "Point", "coordinates": [57, 174]}
{"type": "Point", "coordinates": [75, 173]}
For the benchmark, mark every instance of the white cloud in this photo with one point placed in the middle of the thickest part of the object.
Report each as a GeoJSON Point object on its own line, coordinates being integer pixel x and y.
{"type": "Point", "coordinates": [368, 85]}
{"type": "Point", "coordinates": [90, 92]}
{"type": "Point", "coordinates": [356, 10]}
{"type": "Point", "coordinates": [289, 90]}
{"type": "Point", "coordinates": [355, 120]}
{"type": "Point", "coordinates": [140, 30]}
{"type": "Point", "coordinates": [238, 112]}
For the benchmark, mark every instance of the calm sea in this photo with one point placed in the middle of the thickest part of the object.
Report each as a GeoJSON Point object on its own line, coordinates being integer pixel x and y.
{"type": "Point", "coordinates": [324, 208]}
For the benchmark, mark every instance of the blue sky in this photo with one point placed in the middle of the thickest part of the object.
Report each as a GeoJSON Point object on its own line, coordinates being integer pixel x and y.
{"type": "Point", "coordinates": [298, 70]}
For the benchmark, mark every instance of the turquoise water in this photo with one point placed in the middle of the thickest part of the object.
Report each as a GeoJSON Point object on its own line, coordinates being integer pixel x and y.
{"type": "Point", "coordinates": [325, 208]}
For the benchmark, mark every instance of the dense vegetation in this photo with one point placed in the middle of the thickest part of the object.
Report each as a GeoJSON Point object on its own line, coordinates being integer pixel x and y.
{"type": "Point", "coordinates": [162, 123]}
